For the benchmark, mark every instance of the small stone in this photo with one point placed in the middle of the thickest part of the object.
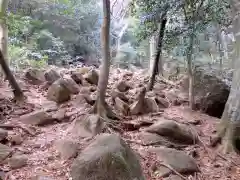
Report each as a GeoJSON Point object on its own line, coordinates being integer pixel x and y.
{"type": "Point", "coordinates": [34, 76]}
{"type": "Point", "coordinates": [77, 77]}
{"type": "Point", "coordinates": [17, 162]}
{"type": "Point", "coordinates": [16, 139]}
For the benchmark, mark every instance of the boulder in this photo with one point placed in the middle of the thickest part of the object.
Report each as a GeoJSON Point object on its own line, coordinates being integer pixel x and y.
{"type": "Point", "coordinates": [67, 149]}
{"type": "Point", "coordinates": [3, 134]}
{"type": "Point", "coordinates": [211, 90]}
{"type": "Point", "coordinates": [34, 76]}
{"type": "Point", "coordinates": [107, 157]}
{"type": "Point", "coordinates": [122, 86]}
{"type": "Point", "coordinates": [178, 160]}
{"type": "Point", "coordinates": [87, 126]}
{"type": "Point", "coordinates": [69, 84]}
{"type": "Point", "coordinates": [162, 102]}
{"type": "Point", "coordinates": [51, 75]}
{"type": "Point", "coordinates": [5, 151]}
{"type": "Point", "coordinates": [18, 161]}
{"type": "Point", "coordinates": [58, 93]}
{"type": "Point", "coordinates": [77, 77]}
{"type": "Point", "coordinates": [38, 117]}
{"type": "Point", "coordinates": [121, 106]}
{"type": "Point", "coordinates": [92, 77]}
{"type": "Point", "coordinates": [174, 131]}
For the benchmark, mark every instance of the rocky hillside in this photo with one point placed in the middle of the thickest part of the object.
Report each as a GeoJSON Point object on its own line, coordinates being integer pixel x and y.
{"type": "Point", "coordinates": [52, 135]}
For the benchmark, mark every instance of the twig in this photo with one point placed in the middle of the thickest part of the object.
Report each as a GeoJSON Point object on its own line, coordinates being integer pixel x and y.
{"type": "Point", "coordinates": [173, 170]}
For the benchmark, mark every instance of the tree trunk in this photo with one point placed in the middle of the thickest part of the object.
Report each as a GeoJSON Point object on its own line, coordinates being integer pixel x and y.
{"type": "Point", "coordinates": [153, 44]}
{"type": "Point", "coordinates": [104, 68]}
{"type": "Point", "coordinates": [190, 70]}
{"type": "Point", "coordinates": [18, 94]}
{"type": "Point", "coordinates": [220, 51]}
{"type": "Point", "coordinates": [229, 128]}
{"type": "Point", "coordinates": [4, 30]}
{"type": "Point", "coordinates": [158, 54]}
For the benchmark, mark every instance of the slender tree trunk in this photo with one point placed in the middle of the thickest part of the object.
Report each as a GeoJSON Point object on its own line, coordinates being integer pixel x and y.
{"type": "Point", "coordinates": [190, 70]}
{"type": "Point", "coordinates": [220, 51]}
{"type": "Point", "coordinates": [153, 47]}
{"type": "Point", "coordinates": [229, 128]}
{"type": "Point", "coordinates": [4, 30]}
{"type": "Point", "coordinates": [158, 54]}
{"type": "Point", "coordinates": [104, 68]}
{"type": "Point", "coordinates": [16, 89]}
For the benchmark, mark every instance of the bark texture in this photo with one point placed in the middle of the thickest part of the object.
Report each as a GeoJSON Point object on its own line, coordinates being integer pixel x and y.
{"type": "Point", "coordinates": [16, 89]}
{"type": "Point", "coordinates": [190, 69]}
{"type": "Point", "coordinates": [101, 107]}
{"type": "Point", "coordinates": [229, 128]}
{"type": "Point", "coordinates": [4, 29]}
{"type": "Point", "coordinates": [155, 69]}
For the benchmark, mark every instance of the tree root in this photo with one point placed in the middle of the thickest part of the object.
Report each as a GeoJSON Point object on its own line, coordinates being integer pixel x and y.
{"type": "Point", "coordinates": [227, 134]}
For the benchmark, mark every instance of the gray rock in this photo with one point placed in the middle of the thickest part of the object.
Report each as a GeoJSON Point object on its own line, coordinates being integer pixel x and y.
{"type": "Point", "coordinates": [178, 160]}
{"type": "Point", "coordinates": [66, 148]}
{"type": "Point", "coordinates": [4, 152]}
{"type": "Point", "coordinates": [38, 117]}
{"type": "Point", "coordinates": [17, 162]}
{"type": "Point", "coordinates": [174, 131]}
{"type": "Point", "coordinates": [107, 157]}
{"type": "Point", "coordinates": [3, 134]}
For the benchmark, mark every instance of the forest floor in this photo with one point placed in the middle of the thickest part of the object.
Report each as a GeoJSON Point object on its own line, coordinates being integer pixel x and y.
{"type": "Point", "coordinates": [44, 161]}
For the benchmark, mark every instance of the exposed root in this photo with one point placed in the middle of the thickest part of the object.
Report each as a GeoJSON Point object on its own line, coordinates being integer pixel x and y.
{"type": "Point", "coordinates": [227, 135]}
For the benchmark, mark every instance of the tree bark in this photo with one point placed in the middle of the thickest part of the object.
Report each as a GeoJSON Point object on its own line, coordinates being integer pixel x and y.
{"type": "Point", "coordinates": [4, 31]}
{"type": "Point", "coordinates": [190, 70]}
{"type": "Point", "coordinates": [158, 54]}
{"type": "Point", "coordinates": [229, 129]}
{"type": "Point", "coordinates": [18, 94]}
{"type": "Point", "coordinates": [101, 107]}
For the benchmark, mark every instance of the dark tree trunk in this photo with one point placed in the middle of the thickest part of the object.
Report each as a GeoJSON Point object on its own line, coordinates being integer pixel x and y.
{"type": "Point", "coordinates": [158, 53]}
{"type": "Point", "coordinates": [9, 76]}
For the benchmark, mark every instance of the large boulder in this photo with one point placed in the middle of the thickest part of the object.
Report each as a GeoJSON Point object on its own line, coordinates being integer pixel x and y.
{"type": "Point", "coordinates": [92, 77]}
{"type": "Point", "coordinates": [34, 76]}
{"type": "Point", "coordinates": [69, 84]}
{"type": "Point", "coordinates": [107, 157]}
{"type": "Point", "coordinates": [51, 76]}
{"type": "Point", "coordinates": [211, 91]}
{"type": "Point", "coordinates": [58, 93]}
